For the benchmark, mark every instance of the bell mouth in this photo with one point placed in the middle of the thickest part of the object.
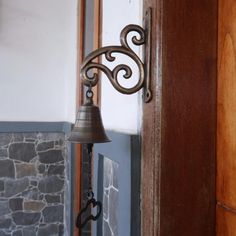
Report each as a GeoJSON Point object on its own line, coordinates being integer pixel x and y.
{"type": "Point", "coordinates": [88, 127]}
{"type": "Point", "coordinates": [80, 136]}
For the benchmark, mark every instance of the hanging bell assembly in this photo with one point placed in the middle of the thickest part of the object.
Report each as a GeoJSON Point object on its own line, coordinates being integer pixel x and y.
{"type": "Point", "coordinates": [88, 126]}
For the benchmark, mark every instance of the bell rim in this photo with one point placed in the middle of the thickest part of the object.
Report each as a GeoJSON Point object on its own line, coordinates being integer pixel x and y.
{"type": "Point", "coordinates": [86, 141]}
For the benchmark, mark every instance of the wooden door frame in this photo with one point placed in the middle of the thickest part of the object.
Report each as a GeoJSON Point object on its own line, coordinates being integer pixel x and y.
{"type": "Point", "coordinates": [179, 124]}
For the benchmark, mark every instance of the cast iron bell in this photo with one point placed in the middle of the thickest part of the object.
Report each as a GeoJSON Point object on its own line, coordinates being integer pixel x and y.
{"type": "Point", "coordinates": [88, 127]}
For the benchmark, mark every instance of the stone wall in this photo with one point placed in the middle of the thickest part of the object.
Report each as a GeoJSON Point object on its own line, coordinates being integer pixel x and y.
{"type": "Point", "coordinates": [110, 197]}
{"type": "Point", "coordinates": [33, 184]}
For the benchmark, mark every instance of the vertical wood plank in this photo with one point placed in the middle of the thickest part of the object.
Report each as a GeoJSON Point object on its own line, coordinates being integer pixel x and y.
{"type": "Point", "coordinates": [80, 50]}
{"type": "Point", "coordinates": [226, 119]}
{"type": "Point", "coordinates": [226, 126]}
{"type": "Point", "coordinates": [96, 44]}
{"type": "Point", "coordinates": [151, 133]}
{"type": "Point", "coordinates": [226, 222]}
{"type": "Point", "coordinates": [179, 126]}
{"type": "Point", "coordinates": [189, 117]}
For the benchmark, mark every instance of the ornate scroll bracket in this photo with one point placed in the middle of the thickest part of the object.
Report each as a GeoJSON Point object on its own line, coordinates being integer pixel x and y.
{"type": "Point", "coordinates": [91, 66]}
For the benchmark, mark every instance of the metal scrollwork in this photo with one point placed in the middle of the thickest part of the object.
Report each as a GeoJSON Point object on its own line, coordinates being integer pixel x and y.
{"type": "Point", "coordinates": [89, 64]}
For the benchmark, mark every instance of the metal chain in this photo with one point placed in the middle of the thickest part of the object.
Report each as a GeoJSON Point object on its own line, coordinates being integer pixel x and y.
{"type": "Point", "coordinates": [80, 222]}
{"type": "Point", "coordinates": [89, 92]}
{"type": "Point", "coordinates": [90, 193]}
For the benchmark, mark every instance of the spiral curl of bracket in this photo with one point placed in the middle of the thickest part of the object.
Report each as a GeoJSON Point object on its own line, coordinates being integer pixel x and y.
{"type": "Point", "coordinates": [89, 64]}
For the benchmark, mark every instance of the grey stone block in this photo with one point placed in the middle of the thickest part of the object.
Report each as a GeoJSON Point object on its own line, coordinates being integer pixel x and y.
{"type": "Point", "coordinates": [115, 175]}
{"type": "Point", "coordinates": [34, 183]}
{"type": "Point", "coordinates": [29, 231]}
{"type": "Point", "coordinates": [60, 142]}
{"type": "Point", "coordinates": [51, 184]}
{"type": "Point", "coordinates": [7, 169]}
{"type": "Point", "coordinates": [51, 156]}
{"type": "Point", "coordinates": [62, 197]}
{"type": "Point", "coordinates": [4, 209]}
{"type": "Point", "coordinates": [22, 151]}
{"type": "Point", "coordinates": [3, 152]}
{"type": "Point", "coordinates": [32, 194]}
{"type": "Point", "coordinates": [17, 137]}
{"type": "Point", "coordinates": [13, 187]}
{"type": "Point", "coordinates": [17, 233]}
{"type": "Point", "coordinates": [56, 170]}
{"type": "Point", "coordinates": [30, 135]}
{"type": "Point", "coordinates": [108, 173]}
{"type": "Point", "coordinates": [15, 204]}
{"type": "Point", "coordinates": [61, 230]}
{"type": "Point", "coordinates": [106, 228]}
{"type": "Point", "coordinates": [30, 140]}
{"type": "Point", "coordinates": [26, 218]}
{"type": "Point", "coordinates": [105, 206]}
{"type": "Point", "coordinates": [3, 233]}
{"type": "Point", "coordinates": [52, 198]}
{"type": "Point", "coordinates": [51, 136]}
{"type": "Point", "coordinates": [25, 169]}
{"type": "Point", "coordinates": [41, 168]}
{"type": "Point", "coordinates": [45, 146]}
{"type": "Point", "coordinates": [53, 214]}
{"type": "Point", "coordinates": [113, 210]}
{"type": "Point", "coordinates": [34, 205]}
{"type": "Point", "coordinates": [1, 185]}
{"type": "Point", "coordinates": [49, 230]}
{"type": "Point", "coordinates": [5, 139]}
{"type": "Point", "coordinates": [5, 223]}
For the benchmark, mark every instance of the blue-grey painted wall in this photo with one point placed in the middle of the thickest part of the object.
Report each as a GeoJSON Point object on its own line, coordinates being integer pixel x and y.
{"type": "Point", "coordinates": [125, 150]}
{"type": "Point", "coordinates": [7, 127]}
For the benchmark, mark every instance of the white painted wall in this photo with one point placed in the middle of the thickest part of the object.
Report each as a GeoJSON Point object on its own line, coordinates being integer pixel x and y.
{"type": "Point", "coordinates": [120, 112]}
{"type": "Point", "coordinates": [37, 60]}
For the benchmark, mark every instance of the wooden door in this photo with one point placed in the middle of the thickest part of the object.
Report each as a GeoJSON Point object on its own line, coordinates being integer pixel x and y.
{"type": "Point", "coordinates": [226, 125]}
{"type": "Point", "coordinates": [179, 127]}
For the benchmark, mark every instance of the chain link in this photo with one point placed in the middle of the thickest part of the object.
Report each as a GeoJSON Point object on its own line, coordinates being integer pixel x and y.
{"type": "Point", "coordinates": [90, 193]}
{"type": "Point", "coordinates": [89, 92]}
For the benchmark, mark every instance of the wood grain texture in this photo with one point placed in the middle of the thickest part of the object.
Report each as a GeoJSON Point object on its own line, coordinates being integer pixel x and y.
{"type": "Point", "coordinates": [151, 135]}
{"type": "Point", "coordinates": [179, 128]}
{"type": "Point", "coordinates": [226, 222]}
{"type": "Point", "coordinates": [97, 23]}
{"type": "Point", "coordinates": [189, 117]}
{"type": "Point", "coordinates": [80, 50]}
{"type": "Point", "coordinates": [226, 125]}
{"type": "Point", "coordinates": [226, 119]}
